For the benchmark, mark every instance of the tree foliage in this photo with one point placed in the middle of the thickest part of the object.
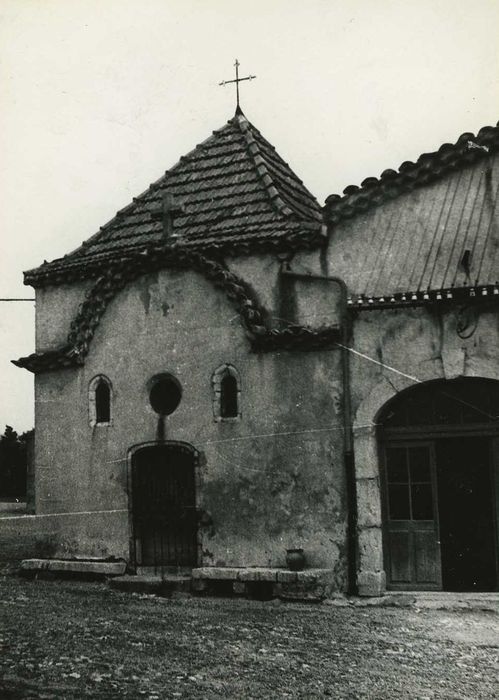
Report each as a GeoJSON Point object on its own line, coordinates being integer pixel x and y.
{"type": "Point", "coordinates": [14, 462]}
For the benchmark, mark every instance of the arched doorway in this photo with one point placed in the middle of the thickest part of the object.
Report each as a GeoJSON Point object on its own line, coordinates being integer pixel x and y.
{"type": "Point", "coordinates": [163, 506]}
{"type": "Point", "coordinates": [440, 482]}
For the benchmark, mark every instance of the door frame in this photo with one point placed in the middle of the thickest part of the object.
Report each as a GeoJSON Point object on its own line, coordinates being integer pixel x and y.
{"type": "Point", "coordinates": [430, 434]}
{"type": "Point", "coordinates": [197, 461]}
{"type": "Point", "coordinates": [407, 443]}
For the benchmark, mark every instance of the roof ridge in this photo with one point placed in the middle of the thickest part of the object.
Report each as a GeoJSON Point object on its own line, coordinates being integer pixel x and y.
{"type": "Point", "coordinates": [282, 171]}
{"type": "Point", "coordinates": [234, 162]}
{"type": "Point", "coordinates": [155, 185]}
{"type": "Point", "coordinates": [428, 168]}
{"type": "Point", "coordinates": [253, 150]}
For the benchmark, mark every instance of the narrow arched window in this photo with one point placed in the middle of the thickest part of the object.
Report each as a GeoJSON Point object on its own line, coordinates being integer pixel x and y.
{"type": "Point", "coordinates": [102, 402]}
{"type": "Point", "coordinates": [228, 396]}
{"type": "Point", "coordinates": [99, 401]}
{"type": "Point", "coordinates": [226, 393]}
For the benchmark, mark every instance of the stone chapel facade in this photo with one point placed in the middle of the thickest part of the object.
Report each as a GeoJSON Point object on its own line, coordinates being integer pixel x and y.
{"type": "Point", "coordinates": [226, 371]}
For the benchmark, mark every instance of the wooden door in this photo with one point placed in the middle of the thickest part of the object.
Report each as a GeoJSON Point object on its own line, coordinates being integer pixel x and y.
{"type": "Point", "coordinates": [466, 506]}
{"type": "Point", "coordinates": [411, 517]}
{"type": "Point", "coordinates": [494, 447]}
{"type": "Point", "coordinates": [163, 507]}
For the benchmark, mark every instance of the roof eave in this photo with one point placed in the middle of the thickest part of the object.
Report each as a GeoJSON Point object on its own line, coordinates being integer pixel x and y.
{"type": "Point", "coordinates": [429, 168]}
{"type": "Point", "coordinates": [304, 236]}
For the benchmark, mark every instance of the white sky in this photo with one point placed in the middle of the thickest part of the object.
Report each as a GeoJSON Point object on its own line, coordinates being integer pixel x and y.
{"type": "Point", "coordinates": [99, 97]}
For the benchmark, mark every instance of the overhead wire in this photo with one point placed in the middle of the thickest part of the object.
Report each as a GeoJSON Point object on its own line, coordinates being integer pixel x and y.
{"type": "Point", "coordinates": [253, 436]}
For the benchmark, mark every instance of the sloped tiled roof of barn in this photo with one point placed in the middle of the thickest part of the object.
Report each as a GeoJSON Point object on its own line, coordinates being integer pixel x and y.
{"type": "Point", "coordinates": [236, 193]}
{"type": "Point", "coordinates": [408, 230]}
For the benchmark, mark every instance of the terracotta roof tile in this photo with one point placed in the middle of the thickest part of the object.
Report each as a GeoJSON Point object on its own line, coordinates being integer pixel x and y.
{"type": "Point", "coordinates": [233, 189]}
{"type": "Point", "coordinates": [429, 167]}
{"type": "Point", "coordinates": [405, 236]}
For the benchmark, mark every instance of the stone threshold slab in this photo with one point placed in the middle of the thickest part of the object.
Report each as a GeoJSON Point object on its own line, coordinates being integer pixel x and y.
{"type": "Point", "coordinates": [73, 566]}
{"type": "Point", "coordinates": [222, 573]}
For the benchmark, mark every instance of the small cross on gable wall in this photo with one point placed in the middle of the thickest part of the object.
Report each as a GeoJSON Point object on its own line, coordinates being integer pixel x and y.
{"type": "Point", "coordinates": [167, 212]}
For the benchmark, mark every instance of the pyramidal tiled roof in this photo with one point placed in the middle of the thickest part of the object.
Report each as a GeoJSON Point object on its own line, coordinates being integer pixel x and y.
{"type": "Point", "coordinates": [236, 194]}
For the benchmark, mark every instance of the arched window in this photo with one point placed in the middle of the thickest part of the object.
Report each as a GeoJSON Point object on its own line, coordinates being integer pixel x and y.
{"type": "Point", "coordinates": [102, 402]}
{"type": "Point", "coordinates": [228, 396]}
{"type": "Point", "coordinates": [99, 401]}
{"type": "Point", "coordinates": [226, 393]}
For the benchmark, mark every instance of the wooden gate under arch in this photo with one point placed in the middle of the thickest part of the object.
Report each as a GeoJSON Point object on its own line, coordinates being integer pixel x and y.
{"type": "Point", "coordinates": [440, 483]}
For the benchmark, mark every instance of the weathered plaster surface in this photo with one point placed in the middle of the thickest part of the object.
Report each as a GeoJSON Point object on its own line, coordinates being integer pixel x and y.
{"type": "Point", "coordinates": [272, 480]}
{"type": "Point", "coordinates": [401, 349]}
{"type": "Point", "coordinates": [56, 307]}
{"type": "Point", "coordinates": [417, 239]}
{"type": "Point", "coordinates": [306, 299]}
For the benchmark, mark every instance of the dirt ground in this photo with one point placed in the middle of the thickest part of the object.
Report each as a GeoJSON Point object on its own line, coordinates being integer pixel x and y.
{"type": "Point", "coordinates": [62, 639]}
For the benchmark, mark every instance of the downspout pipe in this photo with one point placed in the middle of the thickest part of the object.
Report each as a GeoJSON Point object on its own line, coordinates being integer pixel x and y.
{"type": "Point", "coordinates": [348, 450]}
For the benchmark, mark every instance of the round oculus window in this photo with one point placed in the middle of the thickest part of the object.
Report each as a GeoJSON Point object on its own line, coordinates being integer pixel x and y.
{"type": "Point", "coordinates": [165, 394]}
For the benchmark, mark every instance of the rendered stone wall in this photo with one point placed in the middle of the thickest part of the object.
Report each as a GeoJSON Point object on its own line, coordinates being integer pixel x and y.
{"type": "Point", "coordinates": [63, 535]}
{"type": "Point", "coordinates": [406, 347]}
{"type": "Point", "coordinates": [273, 479]}
{"type": "Point", "coordinates": [56, 307]}
{"type": "Point", "coordinates": [302, 295]}
{"type": "Point", "coordinates": [416, 240]}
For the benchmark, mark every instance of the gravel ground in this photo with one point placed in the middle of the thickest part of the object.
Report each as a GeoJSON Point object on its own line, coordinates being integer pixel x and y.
{"type": "Point", "coordinates": [63, 639]}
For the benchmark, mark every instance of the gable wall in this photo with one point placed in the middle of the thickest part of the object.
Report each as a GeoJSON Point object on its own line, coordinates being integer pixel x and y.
{"type": "Point", "coordinates": [270, 481]}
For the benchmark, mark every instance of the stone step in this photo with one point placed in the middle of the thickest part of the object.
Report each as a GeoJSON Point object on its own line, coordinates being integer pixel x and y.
{"type": "Point", "coordinates": [163, 570]}
{"type": "Point", "coordinates": [77, 568]}
{"type": "Point", "coordinates": [262, 583]}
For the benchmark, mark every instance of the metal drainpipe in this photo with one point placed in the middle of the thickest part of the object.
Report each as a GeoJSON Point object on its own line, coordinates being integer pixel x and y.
{"type": "Point", "coordinates": [349, 457]}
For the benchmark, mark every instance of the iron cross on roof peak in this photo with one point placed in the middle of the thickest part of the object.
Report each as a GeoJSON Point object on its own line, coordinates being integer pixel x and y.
{"type": "Point", "coordinates": [237, 81]}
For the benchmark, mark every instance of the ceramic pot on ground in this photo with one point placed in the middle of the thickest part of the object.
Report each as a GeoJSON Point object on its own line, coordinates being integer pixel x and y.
{"type": "Point", "coordinates": [295, 559]}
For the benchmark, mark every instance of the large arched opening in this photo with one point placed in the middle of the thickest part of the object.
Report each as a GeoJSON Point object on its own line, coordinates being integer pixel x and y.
{"type": "Point", "coordinates": [439, 451]}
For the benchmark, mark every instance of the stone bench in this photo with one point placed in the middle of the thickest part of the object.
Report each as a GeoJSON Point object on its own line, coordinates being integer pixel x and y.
{"type": "Point", "coordinates": [309, 584]}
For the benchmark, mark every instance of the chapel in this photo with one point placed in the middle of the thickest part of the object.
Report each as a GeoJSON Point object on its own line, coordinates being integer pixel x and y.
{"type": "Point", "coordinates": [227, 371]}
